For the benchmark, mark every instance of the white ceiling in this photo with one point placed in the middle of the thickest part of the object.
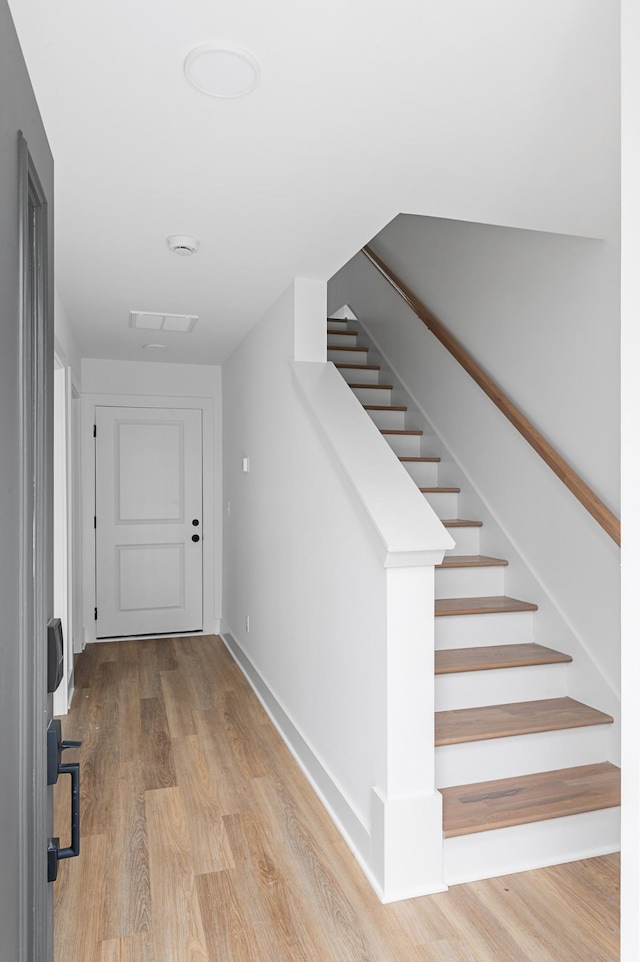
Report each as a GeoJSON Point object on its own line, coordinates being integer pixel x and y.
{"type": "Point", "coordinates": [484, 110]}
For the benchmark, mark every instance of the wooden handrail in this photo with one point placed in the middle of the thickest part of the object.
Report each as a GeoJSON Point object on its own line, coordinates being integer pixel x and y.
{"type": "Point", "coordinates": [596, 508]}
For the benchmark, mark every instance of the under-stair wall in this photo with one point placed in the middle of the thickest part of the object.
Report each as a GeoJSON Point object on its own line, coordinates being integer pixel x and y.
{"type": "Point", "coordinates": [574, 564]}
{"type": "Point", "coordinates": [328, 591]}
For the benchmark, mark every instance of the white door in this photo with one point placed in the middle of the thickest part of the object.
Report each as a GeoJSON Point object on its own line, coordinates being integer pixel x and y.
{"type": "Point", "coordinates": [148, 521]}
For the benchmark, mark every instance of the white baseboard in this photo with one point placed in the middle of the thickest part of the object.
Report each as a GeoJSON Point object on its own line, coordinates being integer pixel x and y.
{"type": "Point", "coordinates": [341, 812]}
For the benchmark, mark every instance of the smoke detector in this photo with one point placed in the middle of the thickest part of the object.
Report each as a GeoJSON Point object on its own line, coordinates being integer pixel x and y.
{"type": "Point", "coordinates": [183, 244]}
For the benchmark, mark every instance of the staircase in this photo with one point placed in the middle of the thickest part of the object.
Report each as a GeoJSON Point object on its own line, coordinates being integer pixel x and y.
{"type": "Point", "coordinates": [521, 767]}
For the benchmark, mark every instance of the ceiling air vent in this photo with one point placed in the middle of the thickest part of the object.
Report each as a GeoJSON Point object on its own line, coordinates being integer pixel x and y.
{"type": "Point", "coordinates": [148, 321]}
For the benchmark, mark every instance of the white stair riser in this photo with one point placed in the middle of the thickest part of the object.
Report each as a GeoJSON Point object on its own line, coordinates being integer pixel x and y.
{"type": "Point", "coordinates": [469, 582]}
{"type": "Point", "coordinates": [341, 340]}
{"type": "Point", "coordinates": [465, 631]}
{"type": "Point", "coordinates": [424, 473]}
{"type": "Point", "coordinates": [467, 540]}
{"type": "Point", "coordinates": [404, 445]}
{"type": "Point", "coordinates": [393, 420]}
{"type": "Point", "coordinates": [337, 324]}
{"type": "Point", "coordinates": [493, 758]}
{"type": "Point", "coordinates": [499, 686]}
{"type": "Point", "coordinates": [444, 503]}
{"type": "Point", "coordinates": [353, 375]}
{"type": "Point", "coordinates": [468, 858]}
{"type": "Point", "coordinates": [346, 357]}
{"type": "Point", "coordinates": [371, 395]}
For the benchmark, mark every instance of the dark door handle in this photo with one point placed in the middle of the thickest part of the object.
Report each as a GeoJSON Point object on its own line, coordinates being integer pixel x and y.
{"type": "Point", "coordinates": [55, 747]}
{"type": "Point", "coordinates": [74, 849]}
{"type": "Point", "coordinates": [195, 537]}
{"type": "Point", "coordinates": [195, 522]}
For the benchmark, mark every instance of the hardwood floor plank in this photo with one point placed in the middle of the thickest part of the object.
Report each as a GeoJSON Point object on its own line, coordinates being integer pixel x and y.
{"type": "Point", "coordinates": [158, 764]}
{"type": "Point", "coordinates": [177, 928]}
{"type": "Point", "coordinates": [483, 931]}
{"type": "Point", "coordinates": [196, 776]}
{"type": "Point", "coordinates": [230, 783]}
{"type": "Point", "coordinates": [128, 908]}
{"type": "Point", "coordinates": [451, 950]}
{"type": "Point", "coordinates": [199, 670]}
{"type": "Point", "coordinates": [241, 737]}
{"type": "Point", "coordinates": [134, 948]}
{"type": "Point", "coordinates": [178, 704]}
{"type": "Point", "coordinates": [332, 929]}
{"type": "Point", "coordinates": [542, 910]}
{"type": "Point", "coordinates": [227, 928]}
{"type": "Point", "coordinates": [81, 882]}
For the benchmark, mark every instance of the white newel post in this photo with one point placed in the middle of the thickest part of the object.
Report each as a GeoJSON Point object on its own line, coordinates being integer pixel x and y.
{"type": "Point", "coordinates": [404, 856]}
{"type": "Point", "coordinates": [406, 809]}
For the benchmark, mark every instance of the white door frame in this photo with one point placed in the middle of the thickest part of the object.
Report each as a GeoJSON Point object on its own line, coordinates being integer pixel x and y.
{"type": "Point", "coordinates": [210, 547]}
{"type": "Point", "coordinates": [61, 522]}
{"type": "Point", "coordinates": [67, 500]}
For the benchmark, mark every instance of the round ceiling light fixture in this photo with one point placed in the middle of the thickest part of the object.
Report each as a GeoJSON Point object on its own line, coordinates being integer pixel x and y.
{"type": "Point", "coordinates": [222, 70]}
{"type": "Point", "coordinates": [183, 244]}
{"type": "Point", "coordinates": [155, 347]}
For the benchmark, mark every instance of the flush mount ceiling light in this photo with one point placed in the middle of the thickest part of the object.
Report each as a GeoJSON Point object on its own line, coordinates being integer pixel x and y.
{"type": "Point", "coordinates": [222, 70]}
{"type": "Point", "coordinates": [155, 347]}
{"type": "Point", "coordinates": [183, 244]}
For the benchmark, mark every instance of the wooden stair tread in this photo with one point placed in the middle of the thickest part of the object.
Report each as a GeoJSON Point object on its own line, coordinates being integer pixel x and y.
{"type": "Point", "coordinates": [370, 387]}
{"type": "Point", "coordinates": [418, 460]}
{"type": "Point", "coordinates": [441, 490]}
{"type": "Point", "coordinates": [401, 431]}
{"type": "Point", "coordinates": [460, 523]}
{"type": "Point", "coordinates": [495, 604]}
{"type": "Point", "coordinates": [385, 407]}
{"type": "Point", "coordinates": [339, 347]}
{"type": "Point", "coordinates": [517, 718]}
{"type": "Point", "coordinates": [529, 798]}
{"type": "Point", "coordinates": [452, 660]}
{"type": "Point", "coordinates": [357, 367]}
{"type": "Point", "coordinates": [467, 560]}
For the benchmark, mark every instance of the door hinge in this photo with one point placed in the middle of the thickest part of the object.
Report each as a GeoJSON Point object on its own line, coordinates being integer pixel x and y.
{"type": "Point", "coordinates": [95, 522]}
{"type": "Point", "coordinates": [95, 614]}
{"type": "Point", "coordinates": [94, 431]}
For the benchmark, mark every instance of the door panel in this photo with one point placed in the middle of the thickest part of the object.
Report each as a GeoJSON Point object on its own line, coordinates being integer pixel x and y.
{"type": "Point", "coordinates": [148, 496]}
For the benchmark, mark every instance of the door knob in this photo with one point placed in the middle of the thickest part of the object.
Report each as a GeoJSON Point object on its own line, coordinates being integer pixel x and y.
{"type": "Point", "coordinates": [195, 522]}
{"type": "Point", "coordinates": [195, 537]}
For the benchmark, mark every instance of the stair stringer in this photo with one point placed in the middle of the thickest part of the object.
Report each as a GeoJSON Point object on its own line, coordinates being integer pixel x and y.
{"type": "Point", "coordinates": [587, 681]}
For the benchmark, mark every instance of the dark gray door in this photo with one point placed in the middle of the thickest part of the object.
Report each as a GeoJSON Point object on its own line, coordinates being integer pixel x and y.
{"type": "Point", "coordinates": [26, 484]}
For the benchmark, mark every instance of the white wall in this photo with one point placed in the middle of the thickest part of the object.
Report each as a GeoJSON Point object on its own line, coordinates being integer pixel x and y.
{"type": "Point", "coordinates": [337, 642]}
{"type": "Point", "coordinates": [131, 383]}
{"type": "Point", "coordinates": [66, 342]}
{"type": "Point", "coordinates": [540, 312]}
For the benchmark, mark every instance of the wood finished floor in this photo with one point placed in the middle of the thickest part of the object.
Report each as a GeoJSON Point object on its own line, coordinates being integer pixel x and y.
{"type": "Point", "coordinates": [202, 842]}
